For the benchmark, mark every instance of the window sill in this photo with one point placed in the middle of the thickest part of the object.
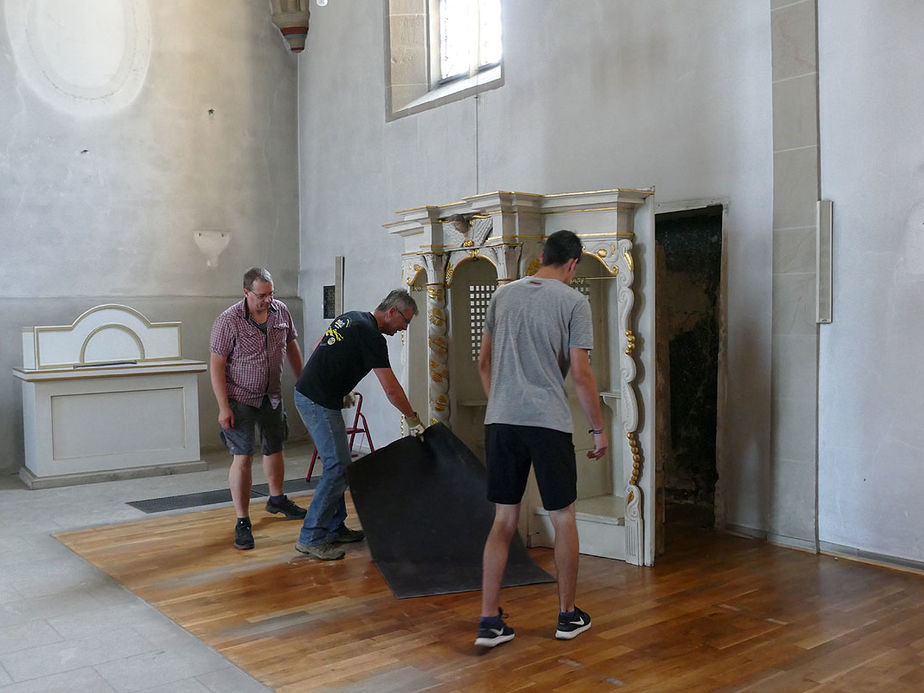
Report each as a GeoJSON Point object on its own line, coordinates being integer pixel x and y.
{"type": "Point", "coordinates": [454, 91]}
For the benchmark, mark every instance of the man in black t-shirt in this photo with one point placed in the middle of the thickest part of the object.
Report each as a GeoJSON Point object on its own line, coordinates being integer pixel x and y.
{"type": "Point", "coordinates": [352, 346]}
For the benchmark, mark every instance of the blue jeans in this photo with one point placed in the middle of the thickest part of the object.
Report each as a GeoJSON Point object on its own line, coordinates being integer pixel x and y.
{"type": "Point", "coordinates": [328, 509]}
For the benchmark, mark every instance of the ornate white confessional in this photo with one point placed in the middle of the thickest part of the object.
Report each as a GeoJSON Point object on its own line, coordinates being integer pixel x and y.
{"type": "Point", "coordinates": [458, 253]}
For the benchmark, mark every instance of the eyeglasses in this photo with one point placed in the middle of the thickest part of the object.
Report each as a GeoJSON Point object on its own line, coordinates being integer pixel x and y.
{"type": "Point", "coordinates": [261, 297]}
{"type": "Point", "coordinates": [407, 323]}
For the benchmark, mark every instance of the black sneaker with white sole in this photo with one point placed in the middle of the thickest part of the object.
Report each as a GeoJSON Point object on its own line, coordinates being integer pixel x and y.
{"type": "Point", "coordinates": [493, 631]}
{"type": "Point", "coordinates": [572, 624]}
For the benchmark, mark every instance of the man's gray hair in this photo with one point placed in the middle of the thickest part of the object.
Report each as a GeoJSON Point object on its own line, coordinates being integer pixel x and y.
{"type": "Point", "coordinates": [400, 299]}
{"type": "Point", "coordinates": [255, 273]}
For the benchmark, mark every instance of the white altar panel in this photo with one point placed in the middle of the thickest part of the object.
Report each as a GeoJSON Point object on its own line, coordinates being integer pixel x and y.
{"type": "Point", "coordinates": [117, 424]}
{"type": "Point", "coordinates": [104, 334]}
{"type": "Point", "coordinates": [108, 397]}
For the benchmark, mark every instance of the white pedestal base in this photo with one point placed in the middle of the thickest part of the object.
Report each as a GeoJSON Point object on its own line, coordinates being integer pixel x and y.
{"type": "Point", "coordinates": [110, 422]}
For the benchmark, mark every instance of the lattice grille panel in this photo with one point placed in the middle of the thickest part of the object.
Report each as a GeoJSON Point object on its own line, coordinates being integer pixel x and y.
{"type": "Point", "coordinates": [479, 296]}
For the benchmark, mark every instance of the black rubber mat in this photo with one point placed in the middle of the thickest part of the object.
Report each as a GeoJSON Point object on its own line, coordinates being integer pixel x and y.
{"type": "Point", "coordinates": [194, 500]}
{"type": "Point", "coordinates": [426, 517]}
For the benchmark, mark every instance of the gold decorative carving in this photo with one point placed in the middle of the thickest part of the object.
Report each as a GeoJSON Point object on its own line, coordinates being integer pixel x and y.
{"type": "Point", "coordinates": [450, 271]}
{"type": "Point", "coordinates": [413, 271]}
{"type": "Point", "coordinates": [636, 458]}
{"type": "Point", "coordinates": [437, 342]}
{"type": "Point", "coordinates": [534, 266]}
{"type": "Point", "coordinates": [600, 256]}
{"type": "Point", "coordinates": [630, 342]}
{"type": "Point", "coordinates": [439, 345]}
{"type": "Point", "coordinates": [629, 261]}
{"type": "Point", "coordinates": [468, 243]}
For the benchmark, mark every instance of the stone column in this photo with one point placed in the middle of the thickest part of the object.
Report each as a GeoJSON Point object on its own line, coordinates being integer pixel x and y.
{"type": "Point", "coordinates": [437, 341]}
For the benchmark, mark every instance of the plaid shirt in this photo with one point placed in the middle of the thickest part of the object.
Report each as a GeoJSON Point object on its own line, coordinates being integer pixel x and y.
{"type": "Point", "coordinates": [254, 360]}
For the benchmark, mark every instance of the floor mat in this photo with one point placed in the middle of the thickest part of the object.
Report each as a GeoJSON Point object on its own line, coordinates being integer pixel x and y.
{"type": "Point", "coordinates": [426, 517]}
{"type": "Point", "coordinates": [195, 500]}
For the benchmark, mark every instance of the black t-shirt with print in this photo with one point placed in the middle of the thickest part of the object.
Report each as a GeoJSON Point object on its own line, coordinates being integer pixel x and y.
{"type": "Point", "coordinates": [350, 348]}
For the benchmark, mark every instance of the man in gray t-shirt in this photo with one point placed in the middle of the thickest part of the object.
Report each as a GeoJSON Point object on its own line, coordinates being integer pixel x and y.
{"type": "Point", "coordinates": [536, 329]}
{"type": "Point", "coordinates": [541, 319]}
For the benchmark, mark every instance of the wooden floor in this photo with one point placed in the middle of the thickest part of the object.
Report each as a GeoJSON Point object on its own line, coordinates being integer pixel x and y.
{"type": "Point", "coordinates": [717, 613]}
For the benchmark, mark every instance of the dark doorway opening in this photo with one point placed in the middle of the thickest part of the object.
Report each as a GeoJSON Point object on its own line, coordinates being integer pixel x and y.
{"type": "Point", "coordinates": [688, 281]}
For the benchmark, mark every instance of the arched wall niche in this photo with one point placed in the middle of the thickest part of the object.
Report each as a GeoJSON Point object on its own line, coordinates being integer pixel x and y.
{"type": "Point", "coordinates": [490, 239]}
{"type": "Point", "coordinates": [473, 284]}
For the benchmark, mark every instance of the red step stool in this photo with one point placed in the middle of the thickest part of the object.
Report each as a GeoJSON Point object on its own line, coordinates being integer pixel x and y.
{"type": "Point", "coordinates": [352, 431]}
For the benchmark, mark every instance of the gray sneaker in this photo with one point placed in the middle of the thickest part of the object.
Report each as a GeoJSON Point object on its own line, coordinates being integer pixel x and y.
{"type": "Point", "coordinates": [345, 535]}
{"type": "Point", "coordinates": [323, 552]}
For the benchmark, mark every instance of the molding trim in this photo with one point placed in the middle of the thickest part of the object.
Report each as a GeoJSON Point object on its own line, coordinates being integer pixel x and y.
{"type": "Point", "coordinates": [743, 531]}
{"type": "Point", "coordinates": [828, 549]}
{"type": "Point", "coordinates": [792, 542]}
{"type": "Point", "coordinates": [771, 538]}
{"type": "Point", "coordinates": [855, 554]}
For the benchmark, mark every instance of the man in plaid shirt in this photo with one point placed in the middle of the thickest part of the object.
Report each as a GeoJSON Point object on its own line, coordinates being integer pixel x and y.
{"type": "Point", "coordinates": [248, 344]}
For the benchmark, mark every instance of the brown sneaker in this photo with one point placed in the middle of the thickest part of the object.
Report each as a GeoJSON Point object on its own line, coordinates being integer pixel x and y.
{"type": "Point", "coordinates": [323, 552]}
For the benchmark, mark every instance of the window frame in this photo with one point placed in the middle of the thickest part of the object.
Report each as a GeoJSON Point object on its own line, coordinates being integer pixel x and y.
{"type": "Point", "coordinates": [410, 55]}
{"type": "Point", "coordinates": [435, 40]}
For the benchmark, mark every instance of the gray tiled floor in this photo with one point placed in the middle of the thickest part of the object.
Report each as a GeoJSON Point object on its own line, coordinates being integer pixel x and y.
{"type": "Point", "coordinates": [66, 626]}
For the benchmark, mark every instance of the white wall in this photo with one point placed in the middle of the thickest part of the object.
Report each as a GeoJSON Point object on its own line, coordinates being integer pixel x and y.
{"type": "Point", "coordinates": [871, 384]}
{"type": "Point", "coordinates": [103, 185]}
{"type": "Point", "coordinates": [597, 94]}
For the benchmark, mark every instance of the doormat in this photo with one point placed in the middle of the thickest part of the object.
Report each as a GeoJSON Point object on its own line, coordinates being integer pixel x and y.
{"type": "Point", "coordinates": [195, 500]}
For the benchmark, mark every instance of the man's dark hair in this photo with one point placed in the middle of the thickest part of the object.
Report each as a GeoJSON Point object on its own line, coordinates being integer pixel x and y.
{"type": "Point", "coordinates": [400, 299]}
{"type": "Point", "coordinates": [561, 247]}
{"type": "Point", "coordinates": [255, 273]}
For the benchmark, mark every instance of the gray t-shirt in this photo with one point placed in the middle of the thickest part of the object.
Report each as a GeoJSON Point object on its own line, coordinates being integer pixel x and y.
{"type": "Point", "coordinates": [533, 323]}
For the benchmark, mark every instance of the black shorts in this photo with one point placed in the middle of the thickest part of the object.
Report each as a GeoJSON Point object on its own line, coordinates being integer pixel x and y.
{"type": "Point", "coordinates": [273, 425]}
{"type": "Point", "coordinates": [510, 450]}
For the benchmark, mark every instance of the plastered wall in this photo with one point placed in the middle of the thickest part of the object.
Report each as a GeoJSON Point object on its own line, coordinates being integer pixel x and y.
{"type": "Point", "coordinates": [596, 95]}
{"type": "Point", "coordinates": [125, 128]}
{"type": "Point", "coordinates": [871, 385]}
